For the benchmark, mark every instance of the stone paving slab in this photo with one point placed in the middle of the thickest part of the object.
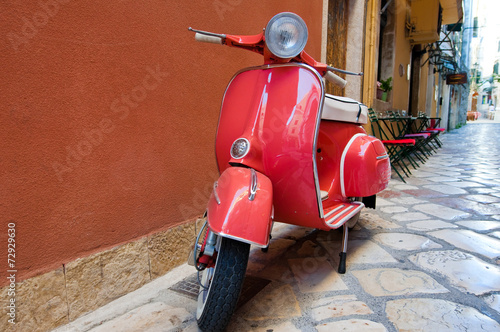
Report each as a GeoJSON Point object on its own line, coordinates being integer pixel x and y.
{"type": "Point", "coordinates": [405, 241]}
{"type": "Point", "coordinates": [440, 211]}
{"type": "Point", "coordinates": [352, 325]}
{"type": "Point", "coordinates": [338, 306]}
{"type": "Point", "coordinates": [464, 271]}
{"type": "Point", "coordinates": [446, 189]}
{"type": "Point", "coordinates": [393, 282]}
{"type": "Point", "coordinates": [465, 184]}
{"type": "Point", "coordinates": [426, 225]}
{"type": "Point", "coordinates": [471, 241]}
{"type": "Point", "coordinates": [425, 315]}
{"type": "Point", "coordinates": [469, 206]}
{"type": "Point", "coordinates": [274, 302]}
{"type": "Point", "coordinates": [493, 301]}
{"type": "Point", "coordinates": [154, 317]}
{"type": "Point", "coordinates": [427, 259]}
{"type": "Point", "coordinates": [315, 275]}
{"type": "Point", "coordinates": [372, 221]}
{"type": "Point", "coordinates": [410, 216]}
{"type": "Point", "coordinates": [394, 209]}
{"type": "Point", "coordinates": [480, 225]}
{"type": "Point", "coordinates": [483, 198]}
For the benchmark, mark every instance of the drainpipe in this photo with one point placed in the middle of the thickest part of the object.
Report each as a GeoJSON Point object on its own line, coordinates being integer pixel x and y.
{"type": "Point", "coordinates": [324, 31]}
{"type": "Point", "coordinates": [369, 79]}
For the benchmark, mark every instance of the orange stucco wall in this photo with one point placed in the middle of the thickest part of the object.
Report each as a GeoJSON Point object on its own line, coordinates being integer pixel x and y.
{"type": "Point", "coordinates": [109, 112]}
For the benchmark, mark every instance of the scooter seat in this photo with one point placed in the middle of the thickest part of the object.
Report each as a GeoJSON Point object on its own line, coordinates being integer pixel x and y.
{"type": "Point", "coordinates": [344, 109]}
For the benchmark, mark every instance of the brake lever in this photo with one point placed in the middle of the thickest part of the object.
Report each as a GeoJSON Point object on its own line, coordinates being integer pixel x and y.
{"type": "Point", "coordinates": [330, 68]}
{"type": "Point", "coordinates": [206, 33]}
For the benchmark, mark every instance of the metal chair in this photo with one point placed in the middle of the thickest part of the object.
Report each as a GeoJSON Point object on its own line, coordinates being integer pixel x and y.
{"type": "Point", "coordinates": [397, 149]}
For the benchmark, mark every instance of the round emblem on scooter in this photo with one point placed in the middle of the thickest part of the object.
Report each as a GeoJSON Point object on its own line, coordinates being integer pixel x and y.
{"type": "Point", "coordinates": [240, 148]}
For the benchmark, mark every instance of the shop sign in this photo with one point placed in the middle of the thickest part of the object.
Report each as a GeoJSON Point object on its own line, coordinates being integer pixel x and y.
{"type": "Point", "coordinates": [460, 78]}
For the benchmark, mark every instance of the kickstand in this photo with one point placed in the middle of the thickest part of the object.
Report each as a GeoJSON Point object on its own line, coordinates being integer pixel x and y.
{"type": "Point", "coordinates": [343, 254]}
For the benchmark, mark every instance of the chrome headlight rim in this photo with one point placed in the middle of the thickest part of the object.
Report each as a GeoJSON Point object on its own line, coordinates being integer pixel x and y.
{"type": "Point", "coordinates": [274, 38]}
{"type": "Point", "coordinates": [239, 141]}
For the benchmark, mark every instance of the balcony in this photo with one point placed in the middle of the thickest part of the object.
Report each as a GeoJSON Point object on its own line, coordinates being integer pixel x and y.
{"type": "Point", "coordinates": [425, 17]}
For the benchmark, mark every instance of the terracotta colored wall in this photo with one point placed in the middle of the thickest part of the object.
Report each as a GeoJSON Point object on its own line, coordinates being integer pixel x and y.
{"type": "Point", "coordinates": [108, 114]}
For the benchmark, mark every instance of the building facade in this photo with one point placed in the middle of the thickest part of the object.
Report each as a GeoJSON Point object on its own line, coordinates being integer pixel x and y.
{"type": "Point", "coordinates": [485, 58]}
{"type": "Point", "coordinates": [420, 43]}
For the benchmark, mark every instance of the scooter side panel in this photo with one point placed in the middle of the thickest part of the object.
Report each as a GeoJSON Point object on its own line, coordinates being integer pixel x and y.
{"type": "Point", "coordinates": [366, 168]}
{"type": "Point", "coordinates": [278, 110]}
{"type": "Point", "coordinates": [333, 137]}
{"type": "Point", "coordinates": [237, 216]}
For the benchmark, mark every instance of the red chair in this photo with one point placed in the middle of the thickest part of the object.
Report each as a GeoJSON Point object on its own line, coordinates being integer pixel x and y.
{"type": "Point", "coordinates": [431, 126]}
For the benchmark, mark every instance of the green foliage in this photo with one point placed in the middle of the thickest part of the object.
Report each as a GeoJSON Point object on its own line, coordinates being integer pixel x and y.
{"type": "Point", "coordinates": [386, 84]}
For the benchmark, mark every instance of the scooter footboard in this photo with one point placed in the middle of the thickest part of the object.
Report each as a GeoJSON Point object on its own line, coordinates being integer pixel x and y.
{"type": "Point", "coordinates": [240, 206]}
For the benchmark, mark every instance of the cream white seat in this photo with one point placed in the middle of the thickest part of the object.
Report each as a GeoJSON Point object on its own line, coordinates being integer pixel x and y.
{"type": "Point", "coordinates": [344, 109]}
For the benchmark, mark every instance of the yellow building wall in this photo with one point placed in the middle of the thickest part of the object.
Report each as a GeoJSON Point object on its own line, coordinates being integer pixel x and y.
{"type": "Point", "coordinates": [371, 51]}
{"type": "Point", "coordinates": [434, 101]}
{"type": "Point", "coordinates": [402, 57]}
{"type": "Point", "coordinates": [370, 56]}
{"type": "Point", "coordinates": [422, 92]}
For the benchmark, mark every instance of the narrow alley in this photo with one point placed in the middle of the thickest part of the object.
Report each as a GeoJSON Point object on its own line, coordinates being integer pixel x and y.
{"type": "Point", "coordinates": [427, 259]}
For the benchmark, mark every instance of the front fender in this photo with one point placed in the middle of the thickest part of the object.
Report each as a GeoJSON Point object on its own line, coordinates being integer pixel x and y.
{"type": "Point", "coordinates": [235, 213]}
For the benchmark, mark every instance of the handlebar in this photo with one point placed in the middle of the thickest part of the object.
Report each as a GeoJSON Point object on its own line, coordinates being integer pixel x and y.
{"type": "Point", "coordinates": [256, 44]}
{"type": "Point", "coordinates": [335, 79]}
{"type": "Point", "coordinates": [207, 39]}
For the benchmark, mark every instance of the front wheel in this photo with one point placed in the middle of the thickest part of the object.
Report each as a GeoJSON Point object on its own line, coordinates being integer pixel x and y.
{"type": "Point", "coordinates": [220, 285]}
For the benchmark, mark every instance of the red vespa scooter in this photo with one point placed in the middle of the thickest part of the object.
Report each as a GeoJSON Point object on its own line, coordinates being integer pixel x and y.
{"type": "Point", "coordinates": [286, 152]}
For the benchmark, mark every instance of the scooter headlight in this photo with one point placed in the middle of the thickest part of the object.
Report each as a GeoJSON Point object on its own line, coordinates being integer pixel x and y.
{"type": "Point", "coordinates": [286, 35]}
{"type": "Point", "coordinates": [240, 148]}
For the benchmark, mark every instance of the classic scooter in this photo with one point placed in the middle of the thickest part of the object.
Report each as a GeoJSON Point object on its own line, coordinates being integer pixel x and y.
{"type": "Point", "coordinates": [286, 152]}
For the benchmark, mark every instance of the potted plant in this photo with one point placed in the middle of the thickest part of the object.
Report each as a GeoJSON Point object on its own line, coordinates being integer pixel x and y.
{"type": "Point", "coordinates": [379, 90]}
{"type": "Point", "coordinates": [386, 86]}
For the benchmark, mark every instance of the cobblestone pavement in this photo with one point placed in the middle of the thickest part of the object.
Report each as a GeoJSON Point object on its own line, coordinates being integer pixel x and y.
{"type": "Point", "coordinates": [427, 259]}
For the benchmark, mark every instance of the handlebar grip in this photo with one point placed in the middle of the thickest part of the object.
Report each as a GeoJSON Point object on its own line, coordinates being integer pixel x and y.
{"type": "Point", "coordinates": [207, 39]}
{"type": "Point", "coordinates": [335, 79]}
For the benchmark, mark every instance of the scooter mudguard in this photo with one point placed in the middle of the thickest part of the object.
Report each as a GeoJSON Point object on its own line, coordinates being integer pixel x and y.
{"type": "Point", "coordinates": [240, 206]}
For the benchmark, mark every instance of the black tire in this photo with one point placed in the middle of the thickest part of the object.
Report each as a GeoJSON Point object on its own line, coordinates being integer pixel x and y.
{"type": "Point", "coordinates": [217, 302]}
